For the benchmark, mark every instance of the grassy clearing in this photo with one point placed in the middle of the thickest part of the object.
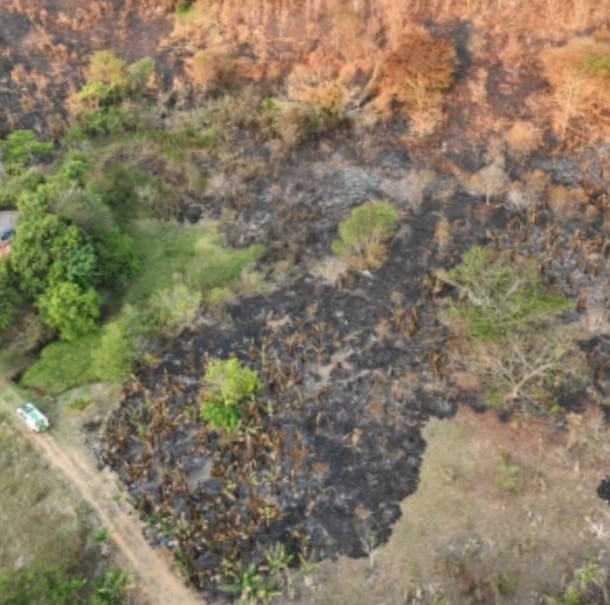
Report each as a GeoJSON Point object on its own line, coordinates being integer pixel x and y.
{"type": "Point", "coordinates": [171, 252]}
{"type": "Point", "coordinates": [507, 530]}
{"type": "Point", "coordinates": [39, 520]}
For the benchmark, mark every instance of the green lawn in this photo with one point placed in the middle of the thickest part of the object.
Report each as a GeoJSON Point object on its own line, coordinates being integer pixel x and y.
{"type": "Point", "coordinates": [170, 251]}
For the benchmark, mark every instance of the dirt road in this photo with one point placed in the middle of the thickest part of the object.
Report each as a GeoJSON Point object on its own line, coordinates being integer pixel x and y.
{"type": "Point", "coordinates": [152, 569]}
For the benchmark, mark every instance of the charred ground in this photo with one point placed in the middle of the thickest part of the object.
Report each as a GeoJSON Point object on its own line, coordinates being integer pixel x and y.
{"type": "Point", "coordinates": [353, 363]}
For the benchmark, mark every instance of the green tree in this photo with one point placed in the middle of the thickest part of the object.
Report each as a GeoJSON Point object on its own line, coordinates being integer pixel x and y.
{"type": "Point", "coordinates": [117, 262]}
{"type": "Point", "coordinates": [9, 296]}
{"type": "Point", "coordinates": [16, 185]}
{"type": "Point", "coordinates": [70, 309]}
{"type": "Point", "coordinates": [32, 247]}
{"type": "Point", "coordinates": [498, 298]}
{"type": "Point", "coordinates": [512, 339]}
{"type": "Point", "coordinates": [22, 148]}
{"type": "Point", "coordinates": [75, 259]}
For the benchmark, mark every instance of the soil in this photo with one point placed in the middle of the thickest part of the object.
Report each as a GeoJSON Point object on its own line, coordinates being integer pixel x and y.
{"type": "Point", "coordinates": [353, 368]}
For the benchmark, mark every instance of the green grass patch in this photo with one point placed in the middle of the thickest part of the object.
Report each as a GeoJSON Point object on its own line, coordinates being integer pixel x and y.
{"type": "Point", "coordinates": [597, 65]}
{"type": "Point", "coordinates": [193, 253]}
{"type": "Point", "coordinates": [171, 255]}
{"type": "Point", "coordinates": [63, 365]}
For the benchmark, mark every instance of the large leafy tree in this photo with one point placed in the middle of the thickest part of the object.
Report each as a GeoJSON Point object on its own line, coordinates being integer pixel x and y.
{"type": "Point", "coordinates": [70, 309]}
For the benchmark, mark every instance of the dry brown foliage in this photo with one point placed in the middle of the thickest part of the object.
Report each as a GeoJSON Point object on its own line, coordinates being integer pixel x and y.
{"type": "Point", "coordinates": [566, 203]}
{"type": "Point", "coordinates": [523, 137]}
{"type": "Point", "coordinates": [418, 70]}
{"type": "Point", "coordinates": [211, 70]}
{"type": "Point", "coordinates": [578, 94]}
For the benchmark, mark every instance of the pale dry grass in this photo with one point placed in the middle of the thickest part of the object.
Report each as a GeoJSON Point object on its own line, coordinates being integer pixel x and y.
{"type": "Point", "coordinates": [465, 531]}
{"type": "Point", "coordinates": [523, 137]}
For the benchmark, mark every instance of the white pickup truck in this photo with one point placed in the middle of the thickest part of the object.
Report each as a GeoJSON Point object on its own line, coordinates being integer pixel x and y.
{"type": "Point", "coordinates": [33, 417]}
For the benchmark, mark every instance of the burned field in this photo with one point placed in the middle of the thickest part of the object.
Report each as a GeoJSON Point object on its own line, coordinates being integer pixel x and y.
{"type": "Point", "coordinates": [351, 369]}
{"type": "Point", "coordinates": [276, 143]}
{"type": "Point", "coordinates": [328, 451]}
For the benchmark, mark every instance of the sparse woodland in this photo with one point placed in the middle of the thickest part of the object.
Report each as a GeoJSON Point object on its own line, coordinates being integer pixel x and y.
{"type": "Point", "coordinates": [289, 234]}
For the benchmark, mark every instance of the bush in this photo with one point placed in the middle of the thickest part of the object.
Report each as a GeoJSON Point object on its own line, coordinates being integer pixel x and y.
{"type": "Point", "coordinates": [9, 297]}
{"type": "Point", "coordinates": [228, 385]}
{"type": "Point", "coordinates": [15, 186]}
{"type": "Point", "coordinates": [362, 235]}
{"type": "Point", "coordinates": [141, 74]}
{"type": "Point", "coordinates": [117, 261]}
{"type": "Point", "coordinates": [102, 122]}
{"type": "Point", "coordinates": [498, 299]}
{"type": "Point", "coordinates": [63, 365]}
{"type": "Point", "coordinates": [122, 341]}
{"type": "Point", "coordinates": [106, 68]}
{"type": "Point", "coordinates": [175, 309]}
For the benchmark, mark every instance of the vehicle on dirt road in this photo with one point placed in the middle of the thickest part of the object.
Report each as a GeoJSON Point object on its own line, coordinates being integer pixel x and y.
{"type": "Point", "coordinates": [35, 420]}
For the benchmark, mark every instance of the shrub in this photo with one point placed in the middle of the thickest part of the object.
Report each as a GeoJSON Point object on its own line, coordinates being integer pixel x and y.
{"type": "Point", "coordinates": [122, 341]}
{"type": "Point", "coordinates": [512, 341]}
{"type": "Point", "coordinates": [362, 235]}
{"type": "Point", "coordinates": [117, 262]}
{"type": "Point", "coordinates": [175, 309]}
{"type": "Point", "coordinates": [80, 404]}
{"type": "Point", "coordinates": [106, 68]}
{"type": "Point", "coordinates": [9, 297]}
{"type": "Point", "coordinates": [228, 385]}
{"type": "Point", "coordinates": [63, 365]}
{"type": "Point", "coordinates": [497, 299]}
{"type": "Point", "coordinates": [141, 74]}
{"type": "Point", "coordinates": [212, 70]}
{"type": "Point", "coordinates": [509, 474]}
{"type": "Point", "coordinates": [12, 188]}
{"type": "Point", "coordinates": [102, 122]}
